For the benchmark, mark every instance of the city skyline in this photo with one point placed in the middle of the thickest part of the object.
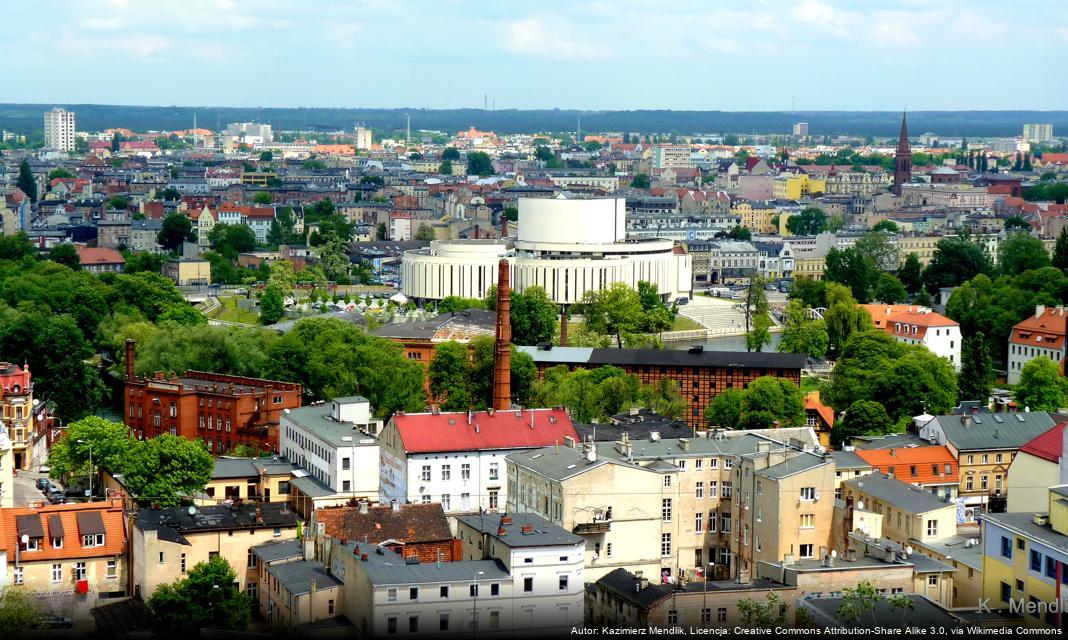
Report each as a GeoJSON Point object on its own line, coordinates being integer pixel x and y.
{"type": "Point", "coordinates": [768, 56]}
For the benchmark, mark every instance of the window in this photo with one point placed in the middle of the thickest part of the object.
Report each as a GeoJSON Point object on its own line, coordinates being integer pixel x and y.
{"type": "Point", "coordinates": [808, 521]}
{"type": "Point", "coordinates": [162, 558]}
{"type": "Point", "coordinates": [1051, 567]}
{"type": "Point", "coordinates": [971, 459]}
{"type": "Point", "coordinates": [391, 625]}
{"type": "Point", "coordinates": [528, 585]}
{"type": "Point", "coordinates": [563, 583]}
{"type": "Point", "coordinates": [444, 591]}
{"type": "Point", "coordinates": [721, 614]}
{"type": "Point", "coordinates": [713, 463]}
{"type": "Point", "coordinates": [472, 590]}
{"type": "Point", "coordinates": [183, 563]}
{"type": "Point", "coordinates": [32, 544]}
{"type": "Point", "coordinates": [1021, 544]}
{"type": "Point", "coordinates": [346, 463]}
{"type": "Point", "coordinates": [1006, 547]}
{"type": "Point", "coordinates": [665, 545]}
{"type": "Point", "coordinates": [698, 464]}
{"type": "Point", "coordinates": [969, 483]}
{"type": "Point", "coordinates": [699, 490]}
{"type": "Point", "coordinates": [665, 510]}
{"type": "Point", "coordinates": [806, 550]}
{"type": "Point", "coordinates": [713, 489]}
{"type": "Point", "coordinates": [57, 573]}
{"type": "Point", "coordinates": [413, 593]}
{"type": "Point", "coordinates": [667, 481]}
{"type": "Point", "coordinates": [465, 471]}
{"type": "Point", "coordinates": [57, 543]}
{"type": "Point", "coordinates": [808, 493]}
{"type": "Point", "coordinates": [493, 471]}
{"type": "Point", "coordinates": [493, 500]}
{"type": "Point", "coordinates": [425, 475]}
{"type": "Point", "coordinates": [391, 594]}
{"type": "Point", "coordinates": [413, 624]}
{"type": "Point", "coordinates": [446, 472]}
{"type": "Point", "coordinates": [728, 464]}
{"type": "Point", "coordinates": [725, 525]}
{"type": "Point", "coordinates": [495, 589]}
{"type": "Point", "coordinates": [446, 501]}
{"type": "Point", "coordinates": [112, 569]}
{"type": "Point", "coordinates": [706, 615]}
{"type": "Point", "coordinates": [673, 617]}
{"type": "Point", "coordinates": [443, 622]}
{"type": "Point", "coordinates": [495, 619]}
{"type": "Point", "coordinates": [608, 550]}
{"type": "Point", "coordinates": [19, 575]}
{"type": "Point", "coordinates": [932, 580]}
{"type": "Point", "coordinates": [932, 527]}
{"type": "Point", "coordinates": [986, 458]}
{"type": "Point", "coordinates": [251, 559]}
{"type": "Point", "coordinates": [728, 489]}
{"type": "Point", "coordinates": [998, 457]}
{"type": "Point", "coordinates": [699, 523]}
{"type": "Point", "coordinates": [426, 498]}
{"type": "Point", "coordinates": [79, 571]}
{"type": "Point", "coordinates": [711, 521]}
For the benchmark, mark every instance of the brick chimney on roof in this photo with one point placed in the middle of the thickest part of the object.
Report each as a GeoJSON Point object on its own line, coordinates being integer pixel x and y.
{"type": "Point", "coordinates": [131, 358]}
{"type": "Point", "coordinates": [502, 355]}
{"type": "Point", "coordinates": [563, 326]}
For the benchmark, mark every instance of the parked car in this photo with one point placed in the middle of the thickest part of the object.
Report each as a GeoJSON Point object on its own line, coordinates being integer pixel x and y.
{"type": "Point", "coordinates": [55, 495]}
{"type": "Point", "coordinates": [43, 484]}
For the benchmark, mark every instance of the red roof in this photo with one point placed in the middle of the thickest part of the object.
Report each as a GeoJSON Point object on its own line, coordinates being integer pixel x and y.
{"type": "Point", "coordinates": [63, 521]}
{"type": "Point", "coordinates": [1049, 445]}
{"type": "Point", "coordinates": [813, 403]}
{"type": "Point", "coordinates": [99, 255]}
{"type": "Point", "coordinates": [1054, 158]}
{"type": "Point", "coordinates": [1046, 331]}
{"type": "Point", "coordinates": [483, 430]}
{"type": "Point", "coordinates": [923, 465]}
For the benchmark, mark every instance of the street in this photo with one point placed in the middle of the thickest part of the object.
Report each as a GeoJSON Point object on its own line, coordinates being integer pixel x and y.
{"type": "Point", "coordinates": [25, 490]}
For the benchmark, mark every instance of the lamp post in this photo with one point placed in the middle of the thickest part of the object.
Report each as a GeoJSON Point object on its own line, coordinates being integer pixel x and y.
{"type": "Point", "coordinates": [90, 468]}
{"type": "Point", "coordinates": [23, 540]}
{"type": "Point", "coordinates": [474, 608]}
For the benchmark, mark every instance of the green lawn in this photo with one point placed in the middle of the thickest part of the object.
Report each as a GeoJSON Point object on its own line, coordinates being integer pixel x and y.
{"type": "Point", "coordinates": [810, 383]}
{"type": "Point", "coordinates": [682, 323]}
{"type": "Point", "coordinates": [230, 312]}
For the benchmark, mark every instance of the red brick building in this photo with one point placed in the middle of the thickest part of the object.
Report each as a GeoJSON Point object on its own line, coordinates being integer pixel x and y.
{"type": "Point", "coordinates": [222, 410]}
{"type": "Point", "coordinates": [419, 530]}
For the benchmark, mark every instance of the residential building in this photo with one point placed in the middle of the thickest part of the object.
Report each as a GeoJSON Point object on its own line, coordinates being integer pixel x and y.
{"type": "Point", "coordinates": [249, 132]}
{"type": "Point", "coordinates": [187, 272]}
{"type": "Point", "coordinates": [1037, 466]}
{"type": "Point", "coordinates": [919, 325]}
{"type": "Point", "coordinates": [932, 467]}
{"type": "Point", "coordinates": [800, 129]}
{"type": "Point", "coordinates": [794, 186]}
{"type": "Point", "coordinates": [299, 595]}
{"type": "Point", "coordinates": [701, 375]}
{"type": "Point", "coordinates": [756, 216]}
{"type": "Point", "coordinates": [16, 409]}
{"type": "Point", "coordinates": [100, 259]}
{"type": "Point", "coordinates": [1025, 561]}
{"type": "Point", "coordinates": [419, 338]}
{"type": "Point", "coordinates": [671, 155]}
{"type": "Point", "coordinates": [70, 549]}
{"type": "Point", "coordinates": [59, 128]}
{"type": "Point", "coordinates": [908, 512]}
{"type": "Point", "coordinates": [144, 235]}
{"type": "Point", "coordinates": [1038, 133]}
{"type": "Point", "coordinates": [233, 479]}
{"type": "Point", "coordinates": [731, 261]}
{"type": "Point", "coordinates": [1040, 336]}
{"type": "Point", "coordinates": [363, 138]}
{"type": "Point", "coordinates": [167, 543]}
{"type": "Point", "coordinates": [819, 417]}
{"type": "Point", "coordinates": [984, 445]}
{"type": "Point", "coordinates": [222, 410]}
{"type": "Point", "coordinates": [409, 530]}
{"type": "Point", "coordinates": [458, 459]}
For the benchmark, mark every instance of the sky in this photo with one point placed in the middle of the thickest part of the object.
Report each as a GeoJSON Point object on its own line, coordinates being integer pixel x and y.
{"type": "Point", "coordinates": [760, 55]}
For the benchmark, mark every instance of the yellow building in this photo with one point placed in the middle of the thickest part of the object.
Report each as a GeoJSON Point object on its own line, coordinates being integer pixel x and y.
{"type": "Point", "coordinates": [794, 186]}
{"type": "Point", "coordinates": [758, 217]}
{"type": "Point", "coordinates": [258, 178]}
{"type": "Point", "coordinates": [908, 512]}
{"type": "Point", "coordinates": [922, 245]}
{"type": "Point", "coordinates": [188, 271]}
{"type": "Point", "coordinates": [16, 410]}
{"type": "Point", "coordinates": [1025, 561]}
{"type": "Point", "coordinates": [809, 266]}
{"type": "Point", "coordinates": [264, 479]}
{"type": "Point", "coordinates": [7, 470]}
{"type": "Point", "coordinates": [292, 588]}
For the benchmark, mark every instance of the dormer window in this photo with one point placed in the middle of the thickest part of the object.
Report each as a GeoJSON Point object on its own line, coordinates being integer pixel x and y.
{"type": "Point", "coordinates": [29, 526]}
{"type": "Point", "coordinates": [91, 528]}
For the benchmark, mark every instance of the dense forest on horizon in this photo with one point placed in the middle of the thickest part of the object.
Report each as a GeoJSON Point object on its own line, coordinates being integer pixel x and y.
{"type": "Point", "coordinates": [24, 118]}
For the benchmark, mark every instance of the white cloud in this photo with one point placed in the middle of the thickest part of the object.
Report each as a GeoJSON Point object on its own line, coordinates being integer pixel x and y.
{"type": "Point", "coordinates": [532, 37]}
{"type": "Point", "coordinates": [893, 28]}
{"type": "Point", "coordinates": [822, 15]}
{"type": "Point", "coordinates": [143, 45]}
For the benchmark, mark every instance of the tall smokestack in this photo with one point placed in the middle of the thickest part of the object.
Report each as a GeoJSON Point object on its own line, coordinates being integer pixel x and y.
{"type": "Point", "coordinates": [131, 358]}
{"type": "Point", "coordinates": [563, 326]}
{"type": "Point", "coordinates": [502, 357]}
{"type": "Point", "coordinates": [504, 226]}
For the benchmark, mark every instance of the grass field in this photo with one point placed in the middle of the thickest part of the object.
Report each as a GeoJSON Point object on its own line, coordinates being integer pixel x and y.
{"type": "Point", "coordinates": [810, 383]}
{"type": "Point", "coordinates": [228, 311]}
{"type": "Point", "coordinates": [682, 323]}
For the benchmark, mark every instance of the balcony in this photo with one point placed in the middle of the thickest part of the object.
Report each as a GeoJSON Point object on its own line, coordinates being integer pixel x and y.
{"type": "Point", "coordinates": [585, 528]}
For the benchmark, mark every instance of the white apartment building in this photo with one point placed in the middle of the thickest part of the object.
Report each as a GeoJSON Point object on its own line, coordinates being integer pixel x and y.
{"type": "Point", "coordinates": [249, 132]}
{"type": "Point", "coordinates": [919, 325]}
{"type": "Point", "coordinates": [1040, 336]}
{"type": "Point", "coordinates": [363, 138]}
{"type": "Point", "coordinates": [1038, 133]}
{"type": "Point", "coordinates": [458, 458]}
{"type": "Point", "coordinates": [336, 443]}
{"type": "Point", "coordinates": [59, 130]}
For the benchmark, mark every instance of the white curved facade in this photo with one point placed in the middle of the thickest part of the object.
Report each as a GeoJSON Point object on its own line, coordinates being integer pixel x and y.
{"type": "Point", "coordinates": [567, 247]}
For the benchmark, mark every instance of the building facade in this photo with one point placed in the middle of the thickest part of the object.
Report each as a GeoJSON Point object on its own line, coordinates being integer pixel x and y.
{"type": "Point", "coordinates": [59, 127]}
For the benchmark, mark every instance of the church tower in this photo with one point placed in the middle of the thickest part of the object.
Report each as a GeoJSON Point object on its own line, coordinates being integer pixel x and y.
{"type": "Point", "coordinates": [902, 158]}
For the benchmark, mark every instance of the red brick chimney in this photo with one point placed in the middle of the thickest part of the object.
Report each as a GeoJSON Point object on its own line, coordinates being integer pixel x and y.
{"type": "Point", "coordinates": [502, 357]}
{"type": "Point", "coordinates": [563, 326]}
{"type": "Point", "coordinates": [131, 358]}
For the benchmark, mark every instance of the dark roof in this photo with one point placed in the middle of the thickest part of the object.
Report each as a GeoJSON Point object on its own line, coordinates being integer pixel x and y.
{"type": "Point", "coordinates": [122, 619]}
{"type": "Point", "coordinates": [924, 613]}
{"type": "Point", "coordinates": [542, 532]}
{"type": "Point", "coordinates": [411, 523]}
{"type": "Point", "coordinates": [894, 441]}
{"type": "Point", "coordinates": [637, 425]}
{"type": "Point", "coordinates": [90, 523]}
{"type": "Point", "coordinates": [666, 357]}
{"type": "Point", "coordinates": [278, 550]}
{"type": "Point", "coordinates": [172, 522]}
{"type": "Point", "coordinates": [384, 567]}
{"type": "Point", "coordinates": [626, 585]}
{"type": "Point", "coordinates": [1010, 430]}
{"type": "Point", "coordinates": [297, 577]}
{"type": "Point", "coordinates": [29, 525]}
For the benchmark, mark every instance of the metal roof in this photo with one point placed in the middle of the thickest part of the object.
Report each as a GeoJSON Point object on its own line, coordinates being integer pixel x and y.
{"type": "Point", "coordinates": [907, 497]}
{"type": "Point", "coordinates": [543, 533]}
{"type": "Point", "coordinates": [993, 430]}
{"type": "Point", "coordinates": [297, 577]}
{"type": "Point", "coordinates": [385, 568]}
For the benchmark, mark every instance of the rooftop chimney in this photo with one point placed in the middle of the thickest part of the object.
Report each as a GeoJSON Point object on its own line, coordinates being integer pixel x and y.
{"type": "Point", "coordinates": [131, 358]}
{"type": "Point", "coordinates": [502, 358]}
{"type": "Point", "coordinates": [563, 327]}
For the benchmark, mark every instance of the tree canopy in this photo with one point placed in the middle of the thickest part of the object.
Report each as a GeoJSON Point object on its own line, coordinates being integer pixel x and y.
{"type": "Point", "coordinates": [208, 597]}
{"type": "Point", "coordinates": [1041, 386]}
{"type": "Point", "coordinates": [176, 229]}
{"type": "Point", "coordinates": [809, 222]}
{"type": "Point", "coordinates": [597, 394]}
{"type": "Point", "coordinates": [767, 402]}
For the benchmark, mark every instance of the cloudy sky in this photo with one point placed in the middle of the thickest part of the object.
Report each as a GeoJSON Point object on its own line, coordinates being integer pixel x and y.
{"type": "Point", "coordinates": [600, 54]}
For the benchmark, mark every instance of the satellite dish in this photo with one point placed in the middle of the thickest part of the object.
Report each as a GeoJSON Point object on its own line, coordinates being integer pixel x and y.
{"type": "Point", "coordinates": [25, 539]}
{"type": "Point", "coordinates": [908, 550]}
{"type": "Point", "coordinates": [191, 510]}
{"type": "Point", "coordinates": [834, 553]}
{"type": "Point", "coordinates": [860, 504]}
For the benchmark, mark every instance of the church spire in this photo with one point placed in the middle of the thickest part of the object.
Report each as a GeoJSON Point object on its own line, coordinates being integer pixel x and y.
{"type": "Point", "coordinates": [903, 138]}
{"type": "Point", "coordinates": [902, 158]}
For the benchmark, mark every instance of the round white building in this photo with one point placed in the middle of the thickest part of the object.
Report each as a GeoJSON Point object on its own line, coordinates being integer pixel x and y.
{"type": "Point", "coordinates": [566, 246]}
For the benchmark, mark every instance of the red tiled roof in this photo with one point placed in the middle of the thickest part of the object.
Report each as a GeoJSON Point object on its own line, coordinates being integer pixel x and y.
{"type": "Point", "coordinates": [929, 462]}
{"type": "Point", "coordinates": [411, 523]}
{"type": "Point", "coordinates": [1054, 158]}
{"type": "Point", "coordinates": [99, 255]}
{"type": "Point", "coordinates": [813, 403]}
{"type": "Point", "coordinates": [889, 316]}
{"type": "Point", "coordinates": [1046, 331]}
{"type": "Point", "coordinates": [459, 431]}
{"type": "Point", "coordinates": [1049, 445]}
{"type": "Point", "coordinates": [110, 512]}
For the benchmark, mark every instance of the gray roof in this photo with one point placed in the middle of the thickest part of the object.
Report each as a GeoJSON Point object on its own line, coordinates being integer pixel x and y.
{"type": "Point", "coordinates": [319, 420]}
{"type": "Point", "coordinates": [953, 548]}
{"type": "Point", "coordinates": [385, 568]}
{"type": "Point", "coordinates": [665, 357]}
{"type": "Point", "coordinates": [907, 497]}
{"type": "Point", "coordinates": [230, 467]}
{"type": "Point", "coordinates": [1024, 523]}
{"type": "Point", "coordinates": [794, 465]}
{"type": "Point", "coordinates": [544, 533]}
{"type": "Point", "coordinates": [311, 487]}
{"type": "Point", "coordinates": [278, 550]}
{"type": "Point", "coordinates": [468, 322]}
{"type": "Point", "coordinates": [896, 441]}
{"type": "Point", "coordinates": [297, 577]}
{"type": "Point", "coordinates": [171, 523]}
{"type": "Point", "coordinates": [848, 460]}
{"type": "Point", "coordinates": [994, 430]}
{"type": "Point", "coordinates": [924, 612]}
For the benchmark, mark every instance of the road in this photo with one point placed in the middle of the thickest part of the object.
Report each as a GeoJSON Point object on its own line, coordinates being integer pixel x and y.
{"type": "Point", "coordinates": [25, 490]}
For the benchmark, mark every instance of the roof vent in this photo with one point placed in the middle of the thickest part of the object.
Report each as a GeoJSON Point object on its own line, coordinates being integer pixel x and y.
{"type": "Point", "coordinates": [528, 529]}
{"type": "Point", "coordinates": [696, 349]}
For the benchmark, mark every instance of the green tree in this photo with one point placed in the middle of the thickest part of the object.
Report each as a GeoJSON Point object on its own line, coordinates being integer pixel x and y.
{"type": "Point", "coordinates": [911, 273]}
{"type": "Point", "coordinates": [809, 222]}
{"type": "Point", "coordinates": [479, 164]}
{"type": "Point", "coordinates": [1021, 252]}
{"type": "Point", "coordinates": [266, 156]}
{"type": "Point", "coordinates": [65, 254]}
{"type": "Point", "coordinates": [208, 597]}
{"type": "Point", "coordinates": [533, 316]}
{"type": "Point", "coordinates": [334, 257]}
{"type": "Point", "coordinates": [18, 612]}
{"type": "Point", "coordinates": [1041, 386]}
{"type": "Point", "coordinates": [119, 203]}
{"type": "Point", "coordinates": [843, 317]}
{"type": "Point", "coordinates": [613, 311]}
{"type": "Point", "coordinates": [282, 277]}
{"type": "Point", "coordinates": [755, 308]}
{"type": "Point", "coordinates": [445, 168]}
{"type": "Point", "coordinates": [803, 333]}
{"type": "Point", "coordinates": [59, 173]}
{"type": "Point", "coordinates": [425, 233]}
{"type": "Point", "coordinates": [230, 240]}
{"type": "Point", "coordinates": [878, 249]}
{"type": "Point", "coordinates": [955, 261]}
{"type": "Point", "coordinates": [1060, 250]}
{"type": "Point", "coordinates": [640, 181]}
{"type": "Point", "coordinates": [282, 228]}
{"type": "Point", "coordinates": [176, 229]}
{"type": "Point", "coordinates": [170, 194]}
{"type": "Point", "coordinates": [726, 408]}
{"type": "Point", "coordinates": [811, 293]}
{"type": "Point", "coordinates": [26, 182]}
{"type": "Point", "coordinates": [739, 232]}
{"type": "Point", "coordinates": [110, 443]}
{"type": "Point", "coordinates": [449, 374]}
{"type": "Point", "coordinates": [885, 225]}
{"type": "Point", "coordinates": [862, 418]}
{"type": "Point", "coordinates": [889, 290]}
{"type": "Point", "coordinates": [381, 231]}
{"type": "Point", "coordinates": [849, 267]}
{"type": "Point", "coordinates": [261, 197]}
{"type": "Point", "coordinates": [778, 397]}
{"type": "Point", "coordinates": [144, 261]}
{"type": "Point", "coordinates": [976, 370]}
{"type": "Point", "coordinates": [163, 469]}
{"type": "Point", "coordinates": [857, 601]}
{"type": "Point", "coordinates": [450, 154]}
{"type": "Point", "coordinates": [450, 304]}
{"type": "Point", "coordinates": [272, 307]}
{"type": "Point", "coordinates": [182, 315]}
{"type": "Point", "coordinates": [769, 613]}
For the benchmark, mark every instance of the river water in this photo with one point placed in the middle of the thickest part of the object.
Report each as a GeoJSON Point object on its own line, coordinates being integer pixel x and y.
{"type": "Point", "coordinates": [724, 343]}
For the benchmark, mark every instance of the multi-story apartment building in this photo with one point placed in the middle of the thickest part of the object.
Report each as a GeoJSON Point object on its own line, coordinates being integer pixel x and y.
{"type": "Point", "coordinates": [1038, 465]}
{"type": "Point", "coordinates": [1040, 133]}
{"type": "Point", "coordinates": [223, 411]}
{"type": "Point", "coordinates": [1040, 336]}
{"type": "Point", "coordinates": [794, 186]}
{"type": "Point", "coordinates": [919, 325]}
{"type": "Point", "coordinates": [907, 512]}
{"type": "Point", "coordinates": [933, 468]}
{"type": "Point", "coordinates": [659, 506]}
{"type": "Point", "coordinates": [411, 530]}
{"type": "Point", "coordinates": [293, 590]}
{"type": "Point", "coordinates": [239, 479]}
{"type": "Point", "coordinates": [167, 543]}
{"type": "Point", "coordinates": [69, 548]}
{"type": "Point", "coordinates": [59, 129]}
{"type": "Point", "coordinates": [671, 155]}
{"type": "Point", "coordinates": [16, 405]}
{"type": "Point", "coordinates": [458, 458]}
{"type": "Point", "coordinates": [756, 216]}
{"type": "Point", "coordinates": [984, 445]}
